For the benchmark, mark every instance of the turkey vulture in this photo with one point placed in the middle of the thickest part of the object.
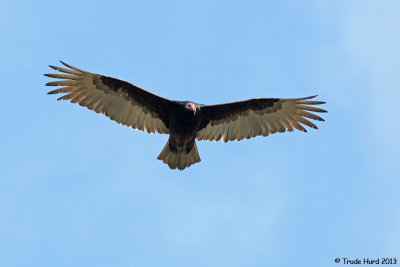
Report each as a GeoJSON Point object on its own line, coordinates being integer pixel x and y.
{"type": "Point", "coordinates": [184, 121]}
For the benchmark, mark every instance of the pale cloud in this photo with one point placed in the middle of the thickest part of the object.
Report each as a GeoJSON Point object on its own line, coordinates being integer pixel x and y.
{"type": "Point", "coordinates": [361, 72]}
{"type": "Point", "coordinates": [371, 37]}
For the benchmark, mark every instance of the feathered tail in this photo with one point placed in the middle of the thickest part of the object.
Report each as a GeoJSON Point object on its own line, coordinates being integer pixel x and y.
{"type": "Point", "coordinates": [180, 158]}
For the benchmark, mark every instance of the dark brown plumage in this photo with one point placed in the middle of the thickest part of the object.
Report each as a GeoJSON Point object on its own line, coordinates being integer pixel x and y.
{"type": "Point", "coordinates": [184, 121]}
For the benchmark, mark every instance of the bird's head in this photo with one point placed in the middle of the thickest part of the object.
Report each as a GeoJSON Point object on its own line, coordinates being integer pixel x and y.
{"type": "Point", "coordinates": [191, 107]}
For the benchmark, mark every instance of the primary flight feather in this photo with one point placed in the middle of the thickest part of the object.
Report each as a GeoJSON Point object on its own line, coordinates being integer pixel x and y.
{"type": "Point", "coordinates": [184, 121]}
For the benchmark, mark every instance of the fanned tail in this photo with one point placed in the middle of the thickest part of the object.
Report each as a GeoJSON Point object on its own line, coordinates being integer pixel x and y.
{"type": "Point", "coordinates": [179, 158]}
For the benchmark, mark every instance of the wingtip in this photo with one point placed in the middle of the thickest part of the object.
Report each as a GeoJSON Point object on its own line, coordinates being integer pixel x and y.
{"type": "Point", "coordinates": [62, 62]}
{"type": "Point", "coordinates": [66, 64]}
{"type": "Point", "coordinates": [305, 98]}
{"type": "Point", "coordinates": [70, 66]}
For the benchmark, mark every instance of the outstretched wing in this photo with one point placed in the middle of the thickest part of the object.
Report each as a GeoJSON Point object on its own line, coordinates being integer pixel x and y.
{"type": "Point", "coordinates": [121, 101]}
{"type": "Point", "coordinates": [254, 117]}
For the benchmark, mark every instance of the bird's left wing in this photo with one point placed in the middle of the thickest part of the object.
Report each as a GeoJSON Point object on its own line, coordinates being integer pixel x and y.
{"type": "Point", "coordinates": [254, 117]}
{"type": "Point", "coordinates": [121, 101]}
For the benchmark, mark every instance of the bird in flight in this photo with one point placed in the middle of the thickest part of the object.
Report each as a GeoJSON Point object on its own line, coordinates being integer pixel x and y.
{"type": "Point", "coordinates": [184, 121]}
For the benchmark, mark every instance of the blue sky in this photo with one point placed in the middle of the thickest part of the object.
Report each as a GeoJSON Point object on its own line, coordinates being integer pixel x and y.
{"type": "Point", "coordinates": [77, 189]}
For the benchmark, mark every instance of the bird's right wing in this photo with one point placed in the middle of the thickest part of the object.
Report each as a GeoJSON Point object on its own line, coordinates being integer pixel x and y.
{"type": "Point", "coordinates": [254, 117]}
{"type": "Point", "coordinates": [121, 101]}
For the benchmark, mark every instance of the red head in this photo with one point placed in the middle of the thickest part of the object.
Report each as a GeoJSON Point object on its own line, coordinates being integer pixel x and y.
{"type": "Point", "coordinates": [191, 106]}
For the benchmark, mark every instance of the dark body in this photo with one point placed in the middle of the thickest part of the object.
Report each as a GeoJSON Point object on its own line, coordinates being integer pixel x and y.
{"type": "Point", "coordinates": [184, 121]}
{"type": "Point", "coordinates": [183, 127]}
